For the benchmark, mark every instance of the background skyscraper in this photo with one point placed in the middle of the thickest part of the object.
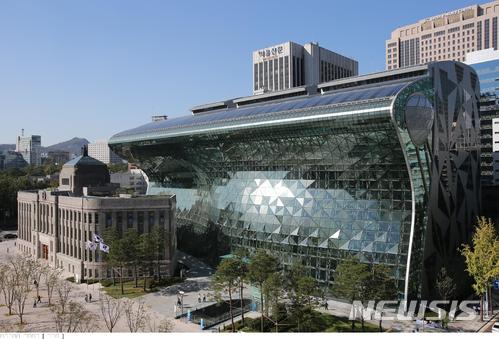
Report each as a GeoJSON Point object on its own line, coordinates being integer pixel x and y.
{"type": "Point", "coordinates": [30, 148]}
{"type": "Point", "coordinates": [448, 36]}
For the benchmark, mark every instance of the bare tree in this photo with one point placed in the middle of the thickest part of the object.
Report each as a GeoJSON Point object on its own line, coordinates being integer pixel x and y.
{"type": "Point", "coordinates": [111, 310]}
{"type": "Point", "coordinates": [23, 269]}
{"type": "Point", "coordinates": [136, 315]}
{"type": "Point", "coordinates": [51, 277]}
{"type": "Point", "coordinates": [74, 318]}
{"type": "Point", "coordinates": [63, 290]}
{"type": "Point", "coordinates": [159, 325]}
{"type": "Point", "coordinates": [7, 286]}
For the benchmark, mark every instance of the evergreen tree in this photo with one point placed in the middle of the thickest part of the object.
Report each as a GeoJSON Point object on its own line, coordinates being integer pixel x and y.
{"type": "Point", "coordinates": [261, 266]}
{"type": "Point", "coordinates": [349, 278]}
{"type": "Point", "coordinates": [226, 279]}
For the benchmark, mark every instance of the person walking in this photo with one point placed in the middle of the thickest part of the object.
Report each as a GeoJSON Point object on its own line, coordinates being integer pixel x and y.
{"type": "Point", "coordinates": [199, 298]}
{"type": "Point", "coordinates": [204, 298]}
{"type": "Point", "coordinates": [90, 297]}
{"type": "Point", "coordinates": [86, 298]}
{"type": "Point", "coordinates": [34, 304]}
{"type": "Point", "coordinates": [39, 299]}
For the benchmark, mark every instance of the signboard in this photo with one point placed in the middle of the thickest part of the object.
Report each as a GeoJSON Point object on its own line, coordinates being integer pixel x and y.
{"type": "Point", "coordinates": [271, 53]}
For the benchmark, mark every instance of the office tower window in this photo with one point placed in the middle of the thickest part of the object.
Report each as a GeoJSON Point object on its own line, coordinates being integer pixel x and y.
{"type": "Point", "coordinates": [286, 72]}
{"type": "Point", "coordinates": [140, 222]}
{"type": "Point", "coordinates": [119, 219]}
{"type": "Point", "coordinates": [255, 76]}
{"type": "Point", "coordinates": [479, 35]}
{"type": "Point", "coordinates": [281, 74]}
{"type": "Point", "coordinates": [275, 74]}
{"type": "Point", "coordinates": [486, 29]}
{"type": "Point", "coordinates": [294, 72]}
{"type": "Point", "coordinates": [151, 220]}
{"type": "Point", "coordinates": [129, 218]}
{"type": "Point", "coordinates": [494, 33]}
{"type": "Point", "coordinates": [266, 75]}
{"type": "Point", "coordinates": [271, 75]}
{"type": "Point", "coordinates": [260, 76]}
{"type": "Point", "coordinates": [302, 71]}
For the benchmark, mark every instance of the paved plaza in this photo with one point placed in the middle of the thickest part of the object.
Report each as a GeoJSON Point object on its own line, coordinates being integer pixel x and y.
{"type": "Point", "coordinates": [196, 292]}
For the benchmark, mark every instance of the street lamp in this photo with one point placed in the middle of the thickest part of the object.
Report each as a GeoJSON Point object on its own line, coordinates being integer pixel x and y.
{"type": "Point", "coordinates": [181, 302]}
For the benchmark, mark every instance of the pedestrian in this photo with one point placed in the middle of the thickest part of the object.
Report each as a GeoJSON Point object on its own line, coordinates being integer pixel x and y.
{"type": "Point", "coordinates": [325, 305]}
{"type": "Point", "coordinates": [90, 297]}
{"type": "Point", "coordinates": [86, 298]}
{"type": "Point", "coordinates": [199, 298]}
{"type": "Point", "coordinates": [204, 298]}
{"type": "Point", "coordinates": [39, 299]}
{"type": "Point", "coordinates": [34, 304]}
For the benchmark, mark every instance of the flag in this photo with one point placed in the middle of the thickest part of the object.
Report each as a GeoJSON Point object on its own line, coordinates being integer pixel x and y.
{"type": "Point", "coordinates": [89, 245]}
{"type": "Point", "coordinates": [103, 247]}
{"type": "Point", "coordinates": [98, 238]}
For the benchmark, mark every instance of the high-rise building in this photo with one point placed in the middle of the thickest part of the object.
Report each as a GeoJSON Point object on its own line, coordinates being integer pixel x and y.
{"type": "Point", "coordinates": [447, 36]}
{"type": "Point", "coordinates": [289, 65]}
{"type": "Point", "coordinates": [486, 65]}
{"type": "Point", "coordinates": [30, 148]}
{"type": "Point", "coordinates": [373, 166]}
{"type": "Point", "coordinates": [101, 151]}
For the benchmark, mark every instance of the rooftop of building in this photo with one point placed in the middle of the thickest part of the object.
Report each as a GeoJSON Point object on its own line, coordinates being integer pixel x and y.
{"type": "Point", "coordinates": [450, 17]}
{"type": "Point", "coordinates": [260, 109]}
{"type": "Point", "coordinates": [84, 160]}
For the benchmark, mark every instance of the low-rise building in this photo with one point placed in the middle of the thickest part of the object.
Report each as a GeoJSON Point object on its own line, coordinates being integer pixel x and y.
{"type": "Point", "coordinates": [58, 225]}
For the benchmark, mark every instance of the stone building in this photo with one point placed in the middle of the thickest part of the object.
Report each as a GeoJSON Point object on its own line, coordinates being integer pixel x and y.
{"type": "Point", "coordinates": [56, 225]}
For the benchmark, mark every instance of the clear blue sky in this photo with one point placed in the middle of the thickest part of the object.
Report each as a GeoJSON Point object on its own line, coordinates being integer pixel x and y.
{"type": "Point", "coordinates": [93, 68]}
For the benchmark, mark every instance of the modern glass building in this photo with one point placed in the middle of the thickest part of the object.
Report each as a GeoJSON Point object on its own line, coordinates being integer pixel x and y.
{"type": "Point", "coordinates": [486, 65]}
{"type": "Point", "coordinates": [382, 166]}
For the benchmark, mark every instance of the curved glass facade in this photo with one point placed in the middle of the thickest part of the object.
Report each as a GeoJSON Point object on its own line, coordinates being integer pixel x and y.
{"type": "Point", "coordinates": [311, 179]}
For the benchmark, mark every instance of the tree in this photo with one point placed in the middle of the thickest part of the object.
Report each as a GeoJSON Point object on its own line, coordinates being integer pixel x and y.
{"type": "Point", "coordinates": [158, 242]}
{"type": "Point", "coordinates": [146, 255]}
{"type": "Point", "coordinates": [348, 280]}
{"type": "Point", "coordinates": [73, 317]}
{"type": "Point", "coordinates": [159, 325]}
{"type": "Point", "coordinates": [51, 277]}
{"type": "Point", "coordinates": [7, 286]}
{"type": "Point", "coordinates": [482, 258]}
{"type": "Point", "coordinates": [261, 266]}
{"type": "Point", "coordinates": [226, 280]}
{"type": "Point", "coordinates": [131, 242]}
{"type": "Point", "coordinates": [240, 255]}
{"type": "Point", "coordinates": [273, 290]}
{"type": "Point", "coordinates": [378, 285]}
{"type": "Point", "coordinates": [301, 288]}
{"type": "Point", "coordinates": [111, 310]}
{"type": "Point", "coordinates": [63, 290]}
{"type": "Point", "coordinates": [136, 315]}
{"type": "Point", "coordinates": [23, 269]}
{"type": "Point", "coordinates": [118, 255]}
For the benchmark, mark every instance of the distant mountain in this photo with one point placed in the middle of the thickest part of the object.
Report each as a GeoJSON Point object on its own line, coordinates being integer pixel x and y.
{"type": "Point", "coordinates": [6, 147]}
{"type": "Point", "coordinates": [72, 146]}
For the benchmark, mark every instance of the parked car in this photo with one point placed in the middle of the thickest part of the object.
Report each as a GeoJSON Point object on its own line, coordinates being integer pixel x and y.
{"type": "Point", "coordinates": [495, 327]}
{"type": "Point", "coordinates": [10, 236]}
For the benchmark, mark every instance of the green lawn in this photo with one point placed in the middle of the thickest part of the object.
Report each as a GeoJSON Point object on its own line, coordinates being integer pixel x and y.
{"type": "Point", "coordinates": [129, 288]}
{"type": "Point", "coordinates": [130, 291]}
{"type": "Point", "coordinates": [313, 322]}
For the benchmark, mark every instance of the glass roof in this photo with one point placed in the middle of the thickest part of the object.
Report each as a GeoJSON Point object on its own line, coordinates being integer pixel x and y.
{"type": "Point", "coordinates": [262, 111]}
